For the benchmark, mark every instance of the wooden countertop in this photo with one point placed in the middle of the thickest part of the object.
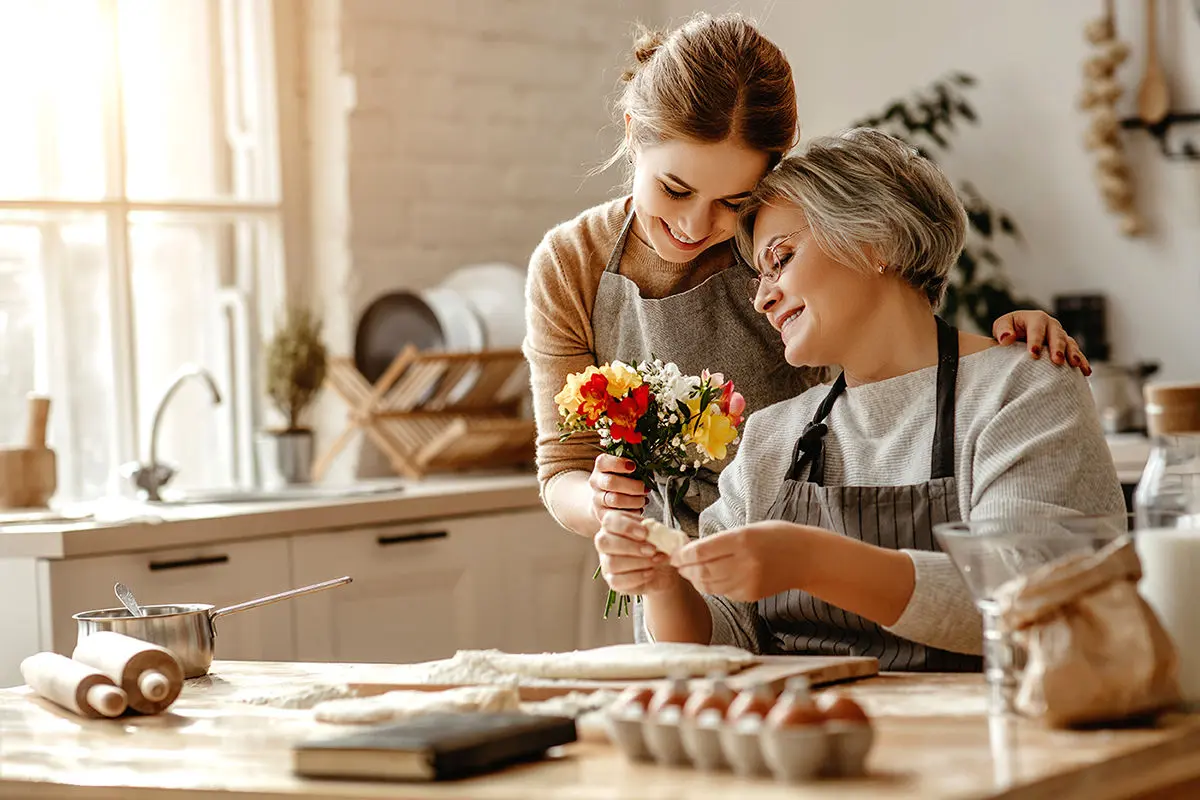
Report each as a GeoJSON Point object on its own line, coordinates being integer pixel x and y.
{"type": "Point", "coordinates": [934, 741]}
{"type": "Point", "coordinates": [185, 525]}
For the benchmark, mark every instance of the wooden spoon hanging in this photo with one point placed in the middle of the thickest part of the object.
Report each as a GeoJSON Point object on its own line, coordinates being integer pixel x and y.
{"type": "Point", "coordinates": [1153, 101]}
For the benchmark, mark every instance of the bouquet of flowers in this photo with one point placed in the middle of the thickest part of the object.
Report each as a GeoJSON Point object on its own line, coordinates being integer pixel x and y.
{"type": "Point", "coordinates": [669, 424]}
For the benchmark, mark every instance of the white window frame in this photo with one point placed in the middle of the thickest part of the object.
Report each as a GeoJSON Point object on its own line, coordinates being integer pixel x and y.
{"type": "Point", "coordinates": [275, 30]}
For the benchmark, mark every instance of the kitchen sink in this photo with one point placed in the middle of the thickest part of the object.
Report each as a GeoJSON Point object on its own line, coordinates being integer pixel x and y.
{"type": "Point", "coordinates": [281, 495]}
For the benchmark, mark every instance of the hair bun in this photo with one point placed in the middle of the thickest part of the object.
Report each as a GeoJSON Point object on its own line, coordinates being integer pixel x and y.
{"type": "Point", "coordinates": [644, 47]}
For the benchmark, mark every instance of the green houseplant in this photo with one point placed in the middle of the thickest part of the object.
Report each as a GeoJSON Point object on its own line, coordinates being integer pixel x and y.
{"type": "Point", "coordinates": [979, 290]}
{"type": "Point", "coordinates": [295, 365]}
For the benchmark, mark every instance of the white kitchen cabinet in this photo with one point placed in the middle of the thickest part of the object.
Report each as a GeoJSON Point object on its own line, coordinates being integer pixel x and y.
{"type": "Point", "coordinates": [221, 575]}
{"type": "Point", "coordinates": [416, 595]}
{"type": "Point", "coordinates": [542, 586]}
{"type": "Point", "coordinates": [512, 581]}
{"type": "Point", "coordinates": [594, 629]}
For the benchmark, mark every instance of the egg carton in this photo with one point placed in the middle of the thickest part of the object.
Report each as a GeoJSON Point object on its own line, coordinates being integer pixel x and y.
{"type": "Point", "coordinates": [748, 747]}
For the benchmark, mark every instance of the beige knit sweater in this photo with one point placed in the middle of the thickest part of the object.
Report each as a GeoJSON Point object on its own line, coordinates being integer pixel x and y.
{"type": "Point", "coordinates": [560, 294]}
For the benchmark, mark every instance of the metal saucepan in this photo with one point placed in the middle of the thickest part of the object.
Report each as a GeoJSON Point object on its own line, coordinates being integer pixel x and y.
{"type": "Point", "coordinates": [186, 630]}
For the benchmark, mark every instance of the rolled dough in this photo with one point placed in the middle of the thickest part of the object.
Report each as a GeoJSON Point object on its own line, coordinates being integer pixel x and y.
{"type": "Point", "coordinates": [407, 704]}
{"type": "Point", "coordinates": [642, 661]}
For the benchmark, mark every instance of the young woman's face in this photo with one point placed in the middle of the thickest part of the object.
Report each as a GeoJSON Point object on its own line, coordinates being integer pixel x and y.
{"type": "Point", "coordinates": [817, 304]}
{"type": "Point", "coordinates": [686, 194]}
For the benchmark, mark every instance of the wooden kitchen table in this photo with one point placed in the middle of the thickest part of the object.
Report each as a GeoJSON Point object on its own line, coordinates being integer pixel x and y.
{"type": "Point", "coordinates": [934, 741]}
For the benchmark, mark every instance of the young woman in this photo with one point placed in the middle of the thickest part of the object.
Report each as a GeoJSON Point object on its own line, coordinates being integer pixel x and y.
{"type": "Point", "coordinates": [708, 109]}
{"type": "Point", "coordinates": [822, 538]}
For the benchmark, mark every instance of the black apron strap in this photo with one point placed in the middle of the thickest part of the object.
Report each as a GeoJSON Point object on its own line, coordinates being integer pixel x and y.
{"type": "Point", "coordinates": [942, 461]}
{"type": "Point", "coordinates": [810, 447]}
{"type": "Point", "coordinates": [614, 258]}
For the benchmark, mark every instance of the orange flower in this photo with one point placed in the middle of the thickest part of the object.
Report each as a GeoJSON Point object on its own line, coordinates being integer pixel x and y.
{"type": "Point", "coordinates": [594, 394]}
{"type": "Point", "coordinates": [626, 413]}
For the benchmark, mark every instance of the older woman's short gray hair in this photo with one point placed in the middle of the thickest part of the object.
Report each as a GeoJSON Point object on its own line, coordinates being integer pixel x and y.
{"type": "Point", "coordinates": [870, 200]}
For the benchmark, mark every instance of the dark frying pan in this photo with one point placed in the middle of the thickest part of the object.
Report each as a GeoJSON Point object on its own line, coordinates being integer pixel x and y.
{"type": "Point", "coordinates": [390, 323]}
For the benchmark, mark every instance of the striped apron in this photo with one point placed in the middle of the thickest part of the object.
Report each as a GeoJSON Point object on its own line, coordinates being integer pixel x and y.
{"type": "Point", "coordinates": [895, 517]}
{"type": "Point", "coordinates": [712, 326]}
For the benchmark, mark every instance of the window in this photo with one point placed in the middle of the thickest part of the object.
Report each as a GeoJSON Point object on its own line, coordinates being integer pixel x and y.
{"type": "Point", "coordinates": [140, 229]}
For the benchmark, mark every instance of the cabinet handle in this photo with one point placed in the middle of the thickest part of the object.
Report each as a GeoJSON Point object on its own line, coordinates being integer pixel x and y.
{"type": "Point", "coordinates": [405, 538]}
{"type": "Point", "coordinates": [201, 561]}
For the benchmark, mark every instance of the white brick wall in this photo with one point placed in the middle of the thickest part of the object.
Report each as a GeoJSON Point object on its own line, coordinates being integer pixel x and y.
{"type": "Point", "coordinates": [450, 132]}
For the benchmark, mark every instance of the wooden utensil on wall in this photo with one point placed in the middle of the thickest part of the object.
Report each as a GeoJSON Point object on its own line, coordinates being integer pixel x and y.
{"type": "Point", "coordinates": [29, 474]}
{"type": "Point", "coordinates": [1154, 99]}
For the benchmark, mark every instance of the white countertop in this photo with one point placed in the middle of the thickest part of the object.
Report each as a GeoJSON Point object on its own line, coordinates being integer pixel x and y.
{"type": "Point", "coordinates": [145, 526]}
{"type": "Point", "coordinates": [154, 526]}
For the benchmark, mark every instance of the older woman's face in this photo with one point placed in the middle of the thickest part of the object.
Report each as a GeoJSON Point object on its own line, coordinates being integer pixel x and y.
{"type": "Point", "coordinates": [817, 304]}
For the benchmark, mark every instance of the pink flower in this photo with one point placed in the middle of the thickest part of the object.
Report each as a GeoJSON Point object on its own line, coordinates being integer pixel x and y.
{"type": "Point", "coordinates": [732, 403]}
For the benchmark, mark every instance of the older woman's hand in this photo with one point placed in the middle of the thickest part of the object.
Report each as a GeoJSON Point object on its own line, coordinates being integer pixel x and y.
{"type": "Point", "coordinates": [744, 564]}
{"type": "Point", "coordinates": [629, 563]}
{"type": "Point", "coordinates": [1041, 331]}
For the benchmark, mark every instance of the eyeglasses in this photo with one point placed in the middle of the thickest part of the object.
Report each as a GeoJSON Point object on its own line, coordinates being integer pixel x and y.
{"type": "Point", "coordinates": [770, 265]}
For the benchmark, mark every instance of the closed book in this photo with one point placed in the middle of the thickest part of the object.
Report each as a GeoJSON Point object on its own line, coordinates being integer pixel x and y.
{"type": "Point", "coordinates": [434, 747]}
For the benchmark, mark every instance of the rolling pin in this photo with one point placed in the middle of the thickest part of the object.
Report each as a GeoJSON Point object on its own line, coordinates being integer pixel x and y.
{"type": "Point", "coordinates": [73, 685]}
{"type": "Point", "coordinates": [150, 675]}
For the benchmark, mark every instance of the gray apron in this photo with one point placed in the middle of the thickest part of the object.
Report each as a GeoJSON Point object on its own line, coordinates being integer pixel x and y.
{"type": "Point", "coordinates": [895, 517]}
{"type": "Point", "coordinates": [712, 326]}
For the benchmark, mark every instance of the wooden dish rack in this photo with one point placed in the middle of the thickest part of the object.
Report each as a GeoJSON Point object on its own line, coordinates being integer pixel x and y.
{"type": "Point", "coordinates": [426, 418]}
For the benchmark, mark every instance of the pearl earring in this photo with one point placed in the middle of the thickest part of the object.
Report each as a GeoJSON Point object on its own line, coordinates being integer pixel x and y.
{"type": "Point", "coordinates": [882, 268]}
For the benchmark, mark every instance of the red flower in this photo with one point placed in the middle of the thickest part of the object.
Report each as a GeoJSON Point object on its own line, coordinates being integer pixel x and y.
{"type": "Point", "coordinates": [625, 414]}
{"type": "Point", "coordinates": [595, 398]}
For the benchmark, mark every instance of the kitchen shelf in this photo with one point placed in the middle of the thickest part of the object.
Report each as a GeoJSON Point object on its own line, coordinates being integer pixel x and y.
{"type": "Point", "coordinates": [437, 411]}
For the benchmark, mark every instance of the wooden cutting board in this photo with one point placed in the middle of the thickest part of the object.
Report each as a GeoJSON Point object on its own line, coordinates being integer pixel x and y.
{"type": "Point", "coordinates": [772, 670]}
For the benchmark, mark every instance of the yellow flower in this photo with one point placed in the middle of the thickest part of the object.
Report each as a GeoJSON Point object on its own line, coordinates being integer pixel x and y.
{"type": "Point", "coordinates": [621, 378]}
{"type": "Point", "coordinates": [714, 432]}
{"type": "Point", "coordinates": [569, 398]}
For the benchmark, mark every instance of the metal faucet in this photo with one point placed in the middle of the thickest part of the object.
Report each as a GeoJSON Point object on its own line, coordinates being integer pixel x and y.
{"type": "Point", "coordinates": [152, 476]}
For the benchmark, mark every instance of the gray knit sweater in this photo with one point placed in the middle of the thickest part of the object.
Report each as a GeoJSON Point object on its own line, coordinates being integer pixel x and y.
{"type": "Point", "coordinates": [1027, 442]}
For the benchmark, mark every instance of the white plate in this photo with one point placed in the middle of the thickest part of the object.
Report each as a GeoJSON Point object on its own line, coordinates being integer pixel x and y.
{"type": "Point", "coordinates": [497, 293]}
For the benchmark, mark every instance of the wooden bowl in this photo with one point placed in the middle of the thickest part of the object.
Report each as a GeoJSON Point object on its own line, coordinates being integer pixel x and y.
{"type": "Point", "coordinates": [28, 477]}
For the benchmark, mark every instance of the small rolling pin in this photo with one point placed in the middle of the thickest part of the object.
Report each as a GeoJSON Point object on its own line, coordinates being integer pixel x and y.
{"type": "Point", "coordinates": [150, 675]}
{"type": "Point", "coordinates": [73, 685]}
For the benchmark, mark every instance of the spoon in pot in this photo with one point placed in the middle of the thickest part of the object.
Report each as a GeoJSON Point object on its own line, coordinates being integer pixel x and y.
{"type": "Point", "coordinates": [127, 599]}
{"type": "Point", "coordinates": [153, 685]}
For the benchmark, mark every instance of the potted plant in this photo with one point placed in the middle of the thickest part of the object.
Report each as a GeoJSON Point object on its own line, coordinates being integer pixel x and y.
{"type": "Point", "coordinates": [295, 371]}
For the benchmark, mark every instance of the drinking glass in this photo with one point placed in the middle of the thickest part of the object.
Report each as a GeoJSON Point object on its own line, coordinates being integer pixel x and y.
{"type": "Point", "coordinates": [990, 553]}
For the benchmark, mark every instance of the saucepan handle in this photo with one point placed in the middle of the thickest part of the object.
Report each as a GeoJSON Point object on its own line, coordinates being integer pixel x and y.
{"type": "Point", "coordinates": [275, 598]}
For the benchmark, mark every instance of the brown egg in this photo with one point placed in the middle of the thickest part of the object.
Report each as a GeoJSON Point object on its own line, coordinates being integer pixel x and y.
{"type": "Point", "coordinates": [837, 707]}
{"type": "Point", "coordinates": [672, 694]}
{"type": "Point", "coordinates": [756, 701]}
{"type": "Point", "coordinates": [795, 708]}
{"type": "Point", "coordinates": [635, 698]}
{"type": "Point", "coordinates": [715, 696]}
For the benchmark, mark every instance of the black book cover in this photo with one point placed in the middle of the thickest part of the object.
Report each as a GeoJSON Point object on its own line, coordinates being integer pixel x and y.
{"type": "Point", "coordinates": [434, 746]}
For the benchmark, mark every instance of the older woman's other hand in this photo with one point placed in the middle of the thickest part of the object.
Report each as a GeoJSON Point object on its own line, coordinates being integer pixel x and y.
{"type": "Point", "coordinates": [744, 564]}
{"type": "Point", "coordinates": [1041, 331]}
{"type": "Point", "coordinates": [629, 563]}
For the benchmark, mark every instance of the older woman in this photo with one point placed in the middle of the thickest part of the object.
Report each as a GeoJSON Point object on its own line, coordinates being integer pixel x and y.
{"type": "Point", "coordinates": [821, 540]}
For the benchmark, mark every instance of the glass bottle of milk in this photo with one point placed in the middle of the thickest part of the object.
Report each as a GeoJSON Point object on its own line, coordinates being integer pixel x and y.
{"type": "Point", "coordinates": [1167, 520]}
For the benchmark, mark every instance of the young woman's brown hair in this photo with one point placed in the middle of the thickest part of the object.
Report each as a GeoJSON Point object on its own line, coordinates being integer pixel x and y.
{"type": "Point", "coordinates": [709, 80]}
